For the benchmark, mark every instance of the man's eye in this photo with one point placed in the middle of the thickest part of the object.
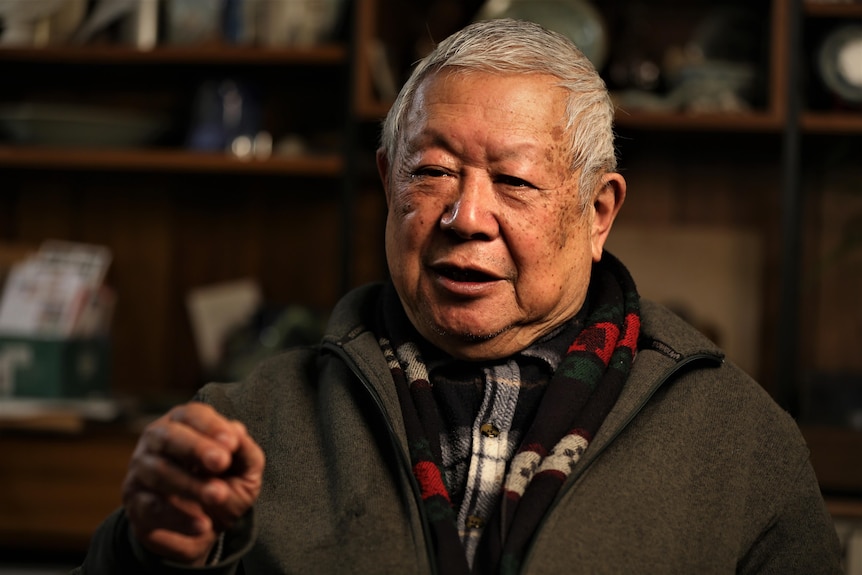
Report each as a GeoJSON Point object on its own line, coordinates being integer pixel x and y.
{"type": "Point", "coordinates": [514, 182]}
{"type": "Point", "coordinates": [428, 172]}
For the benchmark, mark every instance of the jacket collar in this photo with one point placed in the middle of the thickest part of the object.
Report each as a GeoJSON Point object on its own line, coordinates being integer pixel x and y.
{"type": "Point", "coordinates": [667, 344]}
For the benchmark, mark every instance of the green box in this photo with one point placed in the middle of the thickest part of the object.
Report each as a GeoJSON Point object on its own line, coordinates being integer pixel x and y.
{"type": "Point", "coordinates": [53, 368]}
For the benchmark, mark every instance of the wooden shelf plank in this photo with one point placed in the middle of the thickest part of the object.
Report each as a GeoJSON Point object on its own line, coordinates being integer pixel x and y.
{"type": "Point", "coordinates": [833, 9]}
{"type": "Point", "coordinates": [844, 507]}
{"type": "Point", "coordinates": [218, 54]}
{"type": "Point", "coordinates": [167, 160]}
{"type": "Point", "coordinates": [831, 122]}
{"type": "Point", "coordinates": [678, 121]}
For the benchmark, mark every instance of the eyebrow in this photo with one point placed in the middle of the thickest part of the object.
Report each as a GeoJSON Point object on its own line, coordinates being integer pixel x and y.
{"type": "Point", "coordinates": [435, 139]}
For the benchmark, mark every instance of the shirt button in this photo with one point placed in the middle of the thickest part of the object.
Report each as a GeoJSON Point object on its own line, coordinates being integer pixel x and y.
{"type": "Point", "coordinates": [489, 430]}
{"type": "Point", "coordinates": [474, 522]}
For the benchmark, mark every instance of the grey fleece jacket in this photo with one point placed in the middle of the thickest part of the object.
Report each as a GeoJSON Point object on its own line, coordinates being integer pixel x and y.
{"type": "Point", "coordinates": [695, 470]}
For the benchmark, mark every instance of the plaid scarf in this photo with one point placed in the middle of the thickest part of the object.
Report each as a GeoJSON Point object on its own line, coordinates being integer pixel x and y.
{"type": "Point", "coordinates": [575, 402]}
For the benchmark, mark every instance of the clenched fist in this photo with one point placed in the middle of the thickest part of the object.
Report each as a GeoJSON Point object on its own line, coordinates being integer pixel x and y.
{"type": "Point", "coordinates": [193, 474]}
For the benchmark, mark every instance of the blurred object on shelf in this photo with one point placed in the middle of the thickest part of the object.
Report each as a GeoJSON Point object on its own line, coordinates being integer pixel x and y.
{"type": "Point", "coordinates": [257, 147]}
{"type": "Point", "coordinates": [215, 311]}
{"type": "Point", "coordinates": [59, 291]}
{"type": "Point", "coordinates": [707, 87]}
{"type": "Point", "coordinates": [11, 254]}
{"type": "Point", "coordinates": [714, 69]}
{"type": "Point", "coordinates": [52, 367]}
{"type": "Point", "coordinates": [55, 318]}
{"type": "Point", "coordinates": [79, 125]}
{"type": "Point", "coordinates": [227, 113]}
{"type": "Point", "coordinates": [256, 22]}
{"type": "Point", "coordinates": [234, 328]}
{"type": "Point", "coordinates": [267, 332]}
{"type": "Point", "coordinates": [137, 20]}
{"type": "Point", "coordinates": [193, 21]}
{"type": "Point", "coordinates": [839, 63]}
{"type": "Point", "coordinates": [576, 19]}
{"type": "Point", "coordinates": [147, 23]}
{"type": "Point", "coordinates": [39, 22]}
{"type": "Point", "coordinates": [295, 23]}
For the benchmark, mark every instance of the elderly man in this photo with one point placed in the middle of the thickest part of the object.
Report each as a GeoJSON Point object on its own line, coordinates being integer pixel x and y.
{"type": "Point", "coordinates": [507, 403]}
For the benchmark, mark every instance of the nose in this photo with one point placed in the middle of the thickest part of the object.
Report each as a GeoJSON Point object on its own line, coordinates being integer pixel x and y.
{"type": "Point", "coordinates": [472, 215]}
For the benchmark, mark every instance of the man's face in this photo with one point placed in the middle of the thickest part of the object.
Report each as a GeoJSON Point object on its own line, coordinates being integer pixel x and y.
{"type": "Point", "coordinates": [486, 243]}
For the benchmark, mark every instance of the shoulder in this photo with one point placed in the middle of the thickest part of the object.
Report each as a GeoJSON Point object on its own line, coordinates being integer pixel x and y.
{"type": "Point", "coordinates": [697, 383]}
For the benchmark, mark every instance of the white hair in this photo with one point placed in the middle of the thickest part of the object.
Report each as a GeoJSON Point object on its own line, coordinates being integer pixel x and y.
{"type": "Point", "coordinates": [507, 46]}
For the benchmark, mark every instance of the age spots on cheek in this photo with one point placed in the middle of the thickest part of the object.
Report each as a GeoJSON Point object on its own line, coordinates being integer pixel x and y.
{"type": "Point", "coordinates": [558, 133]}
{"type": "Point", "coordinates": [558, 153]}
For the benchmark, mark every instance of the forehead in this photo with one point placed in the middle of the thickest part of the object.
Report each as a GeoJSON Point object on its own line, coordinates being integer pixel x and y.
{"type": "Point", "coordinates": [514, 107]}
{"type": "Point", "coordinates": [500, 91]}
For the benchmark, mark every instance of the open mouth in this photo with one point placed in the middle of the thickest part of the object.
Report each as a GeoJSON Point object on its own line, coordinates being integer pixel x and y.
{"type": "Point", "coordinates": [464, 275]}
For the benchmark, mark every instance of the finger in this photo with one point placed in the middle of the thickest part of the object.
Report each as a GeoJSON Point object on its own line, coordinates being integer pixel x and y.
{"type": "Point", "coordinates": [248, 460]}
{"type": "Point", "coordinates": [148, 512]}
{"type": "Point", "coordinates": [161, 527]}
{"type": "Point", "coordinates": [241, 486]}
{"type": "Point", "coordinates": [185, 445]}
{"type": "Point", "coordinates": [164, 477]}
{"type": "Point", "coordinates": [206, 420]}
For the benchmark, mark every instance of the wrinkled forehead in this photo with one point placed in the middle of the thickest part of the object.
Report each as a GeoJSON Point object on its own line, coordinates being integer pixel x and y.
{"type": "Point", "coordinates": [538, 98]}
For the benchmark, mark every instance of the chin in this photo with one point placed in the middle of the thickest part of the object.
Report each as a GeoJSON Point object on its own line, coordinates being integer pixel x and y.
{"type": "Point", "coordinates": [464, 327]}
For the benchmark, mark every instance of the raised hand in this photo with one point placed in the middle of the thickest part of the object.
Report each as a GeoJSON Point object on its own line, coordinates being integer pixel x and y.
{"type": "Point", "coordinates": [193, 474]}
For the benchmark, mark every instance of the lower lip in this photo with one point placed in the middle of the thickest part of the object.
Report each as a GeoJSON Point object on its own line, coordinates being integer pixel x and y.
{"type": "Point", "coordinates": [464, 288]}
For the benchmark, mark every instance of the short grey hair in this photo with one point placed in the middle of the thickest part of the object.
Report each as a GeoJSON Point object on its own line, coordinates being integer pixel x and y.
{"type": "Point", "coordinates": [507, 46]}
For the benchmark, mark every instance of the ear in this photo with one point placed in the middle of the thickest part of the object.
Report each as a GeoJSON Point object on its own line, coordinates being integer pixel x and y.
{"type": "Point", "coordinates": [383, 171]}
{"type": "Point", "coordinates": [606, 205]}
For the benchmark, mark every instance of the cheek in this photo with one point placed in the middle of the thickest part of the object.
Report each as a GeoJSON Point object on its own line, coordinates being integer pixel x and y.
{"type": "Point", "coordinates": [570, 224]}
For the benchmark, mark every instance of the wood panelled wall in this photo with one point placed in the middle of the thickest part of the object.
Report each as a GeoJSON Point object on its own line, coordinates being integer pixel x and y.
{"type": "Point", "coordinates": [170, 233]}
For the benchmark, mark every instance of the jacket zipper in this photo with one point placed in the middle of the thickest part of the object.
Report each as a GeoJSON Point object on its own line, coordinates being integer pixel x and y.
{"type": "Point", "coordinates": [634, 412]}
{"type": "Point", "coordinates": [404, 458]}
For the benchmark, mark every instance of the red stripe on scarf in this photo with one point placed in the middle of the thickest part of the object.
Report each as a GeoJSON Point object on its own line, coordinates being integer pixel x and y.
{"type": "Point", "coordinates": [553, 474]}
{"type": "Point", "coordinates": [632, 327]}
{"type": "Point", "coordinates": [600, 339]}
{"type": "Point", "coordinates": [430, 480]}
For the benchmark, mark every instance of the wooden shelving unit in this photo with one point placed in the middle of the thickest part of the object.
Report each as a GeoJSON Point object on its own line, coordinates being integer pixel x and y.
{"type": "Point", "coordinates": [831, 122]}
{"type": "Point", "coordinates": [835, 449]}
{"type": "Point", "coordinates": [741, 122]}
{"type": "Point", "coordinates": [189, 217]}
{"type": "Point", "coordinates": [832, 9]}
{"type": "Point", "coordinates": [218, 54]}
{"type": "Point", "coordinates": [168, 160]}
